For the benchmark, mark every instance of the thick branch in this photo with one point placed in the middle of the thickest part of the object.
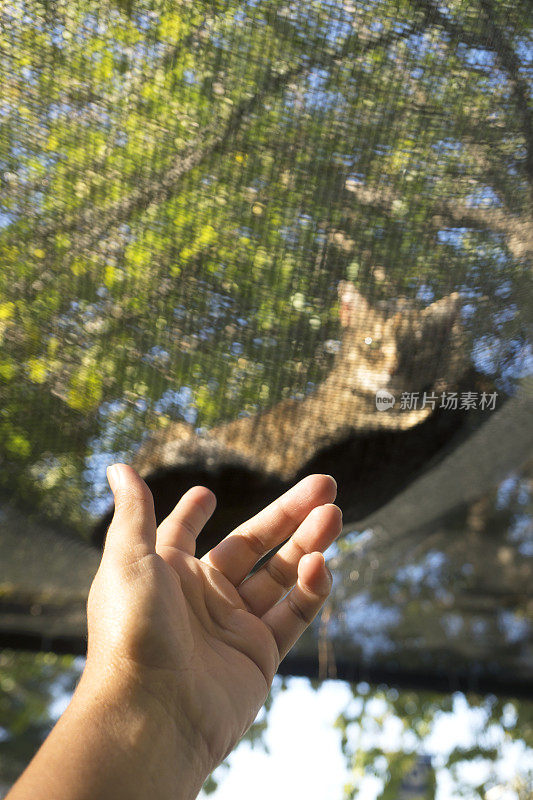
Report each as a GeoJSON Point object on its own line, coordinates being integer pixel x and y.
{"type": "Point", "coordinates": [516, 230]}
{"type": "Point", "coordinates": [491, 38]}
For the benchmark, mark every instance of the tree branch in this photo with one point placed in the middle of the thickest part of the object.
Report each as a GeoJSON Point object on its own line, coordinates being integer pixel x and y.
{"type": "Point", "coordinates": [515, 229]}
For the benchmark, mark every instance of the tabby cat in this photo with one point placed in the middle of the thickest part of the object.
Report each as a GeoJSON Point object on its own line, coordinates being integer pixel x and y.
{"type": "Point", "coordinates": [393, 345]}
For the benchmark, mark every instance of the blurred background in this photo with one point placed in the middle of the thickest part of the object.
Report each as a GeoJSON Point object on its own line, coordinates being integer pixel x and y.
{"type": "Point", "coordinates": [224, 226]}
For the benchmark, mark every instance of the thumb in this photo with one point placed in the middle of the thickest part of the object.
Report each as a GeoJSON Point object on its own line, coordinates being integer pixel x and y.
{"type": "Point", "coordinates": [132, 532]}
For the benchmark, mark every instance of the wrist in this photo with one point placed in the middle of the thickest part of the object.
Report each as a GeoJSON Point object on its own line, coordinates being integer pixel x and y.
{"type": "Point", "coordinates": [156, 751]}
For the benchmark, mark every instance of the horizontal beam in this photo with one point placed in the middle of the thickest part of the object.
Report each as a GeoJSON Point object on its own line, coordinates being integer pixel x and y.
{"type": "Point", "coordinates": [308, 667]}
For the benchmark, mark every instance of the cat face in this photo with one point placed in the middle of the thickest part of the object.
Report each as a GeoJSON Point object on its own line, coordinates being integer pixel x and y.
{"type": "Point", "coordinates": [397, 345]}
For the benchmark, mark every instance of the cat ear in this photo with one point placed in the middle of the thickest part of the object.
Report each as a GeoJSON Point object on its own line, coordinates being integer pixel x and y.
{"type": "Point", "coordinates": [352, 304]}
{"type": "Point", "coordinates": [444, 311]}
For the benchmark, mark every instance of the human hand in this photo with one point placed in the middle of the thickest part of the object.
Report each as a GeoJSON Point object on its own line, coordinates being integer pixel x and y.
{"type": "Point", "coordinates": [197, 638]}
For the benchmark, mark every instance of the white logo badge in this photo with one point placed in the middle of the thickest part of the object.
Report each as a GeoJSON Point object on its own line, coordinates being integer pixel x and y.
{"type": "Point", "coordinates": [384, 400]}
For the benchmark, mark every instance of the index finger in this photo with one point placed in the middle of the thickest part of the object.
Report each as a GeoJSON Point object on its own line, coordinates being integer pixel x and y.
{"type": "Point", "coordinates": [236, 555]}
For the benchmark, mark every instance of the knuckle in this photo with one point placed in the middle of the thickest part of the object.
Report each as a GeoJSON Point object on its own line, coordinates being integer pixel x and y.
{"type": "Point", "coordinates": [285, 511]}
{"type": "Point", "coordinates": [188, 527]}
{"type": "Point", "coordinates": [254, 543]}
{"type": "Point", "coordinates": [273, 567]}
{"type": "Point", "coordinates": [135, 498]}
{"type": "Point", "coordinates": [298, 611]}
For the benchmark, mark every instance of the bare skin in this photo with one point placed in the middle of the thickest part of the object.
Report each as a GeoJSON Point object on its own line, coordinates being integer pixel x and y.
{"type": "Point", "coordinates": [182, 651]}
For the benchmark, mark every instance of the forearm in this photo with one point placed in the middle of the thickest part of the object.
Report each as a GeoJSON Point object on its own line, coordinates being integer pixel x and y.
{"type": "Point", "coordinates": [113, 743]}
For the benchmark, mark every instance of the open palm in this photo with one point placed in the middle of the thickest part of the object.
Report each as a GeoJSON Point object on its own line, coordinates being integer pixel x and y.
{"type": "Point", "coordinates": [203, 636]}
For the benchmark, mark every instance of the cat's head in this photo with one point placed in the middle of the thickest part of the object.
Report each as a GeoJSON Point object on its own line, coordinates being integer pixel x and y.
{"type": "Point", "coordinates": [398, 345]}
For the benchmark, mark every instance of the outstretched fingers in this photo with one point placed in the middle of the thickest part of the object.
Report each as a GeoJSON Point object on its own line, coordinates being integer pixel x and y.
{"type": "Point", "coordinates": [288, 619]}
{"type": "Point", "coordinates": [268, 585]}
{"type": "Point", "coordinates": [237, 554]}
{"type": "Point", "coordinates": [182, 526]}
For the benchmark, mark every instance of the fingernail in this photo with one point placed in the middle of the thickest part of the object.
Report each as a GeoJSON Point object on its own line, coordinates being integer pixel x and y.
{"type": "Point", "coordinates": [332, 478]}
{"type": "Point", "coordinates": [114, 476]}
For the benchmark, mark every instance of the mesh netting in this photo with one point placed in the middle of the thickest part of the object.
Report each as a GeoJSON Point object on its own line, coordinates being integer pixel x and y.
{"type": "Point", "coordinates": [244, 241]}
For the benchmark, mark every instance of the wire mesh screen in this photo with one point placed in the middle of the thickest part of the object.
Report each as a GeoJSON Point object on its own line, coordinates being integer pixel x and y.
{"type": "Point", "coordinates": [243, 241]}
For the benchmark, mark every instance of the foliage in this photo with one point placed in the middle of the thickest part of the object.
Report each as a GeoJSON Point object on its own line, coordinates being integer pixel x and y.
{"type": "Point", "coordinates": [184, 184]}
{"type": "Point", "coordinates": [29, 685]}
{"type": "Point", "coordinates": [421, 722]}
